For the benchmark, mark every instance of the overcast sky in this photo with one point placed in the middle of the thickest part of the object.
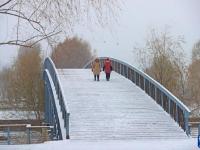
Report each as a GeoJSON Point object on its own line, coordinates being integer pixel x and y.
{"type": "Point", "coordinates": [136, 18]}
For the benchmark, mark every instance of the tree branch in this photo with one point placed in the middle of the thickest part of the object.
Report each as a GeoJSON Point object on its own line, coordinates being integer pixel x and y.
{"type": "Point", "coordinates": [5, 3]}
{"type": "Point", "coordinates": [16, 15]}
{"type": "Point", "coordinates": [14, 43]}
{"type": "Point", "coordinates": [46, 37]}
{"type": "Point", "coordinates": [24, 42]}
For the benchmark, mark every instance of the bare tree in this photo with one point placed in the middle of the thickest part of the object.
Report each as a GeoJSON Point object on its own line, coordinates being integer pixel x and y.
{"type": "Point", "coordinates": [194, 78]}
{"type": "Point", "coordinates": [47, 18]}
{"type": "Point", "coordinates": [25, 85]}
{"type": "Point", "coordinates": [182, 71]}
{"type": "Point", "coordinates": [162, 58]}
{"type": "Point", "coordinates": [72, 53]}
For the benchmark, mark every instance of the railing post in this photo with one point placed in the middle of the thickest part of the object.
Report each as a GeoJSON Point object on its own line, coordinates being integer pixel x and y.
{"type": "Point", "coordinates": [156, 94]}
{"type": "Point", "coordinates": [127, 72]}
{"type": "Point", "coordinates": [150, 87]}
{"type": "Point", "coordinates": [186, 123]}
{"type": "Point", "coordinates": [123, 70]}
{"type": "Point", "coordinates": [169, 105]}
{"type": "Point", "coordinates": [144, 85]}
{"type": "Point", "coordinates": [67, 125]}
{"type": "Point", "coordinates": [199, 130]}
{"type": "Point", "coordinates": [28, 135]}
{"type": "Point", "coordinates": [50, 110]}
{"type": "Point", "coordinates": [140, 81]}
{"type": "Point", "coordinates": [8, 135]}
{"type": "Point", "coordinates": [120, 68]}
{"type": "Point", "coordinates": [177, 114]}
{"type": "Point", "coordinates": [54, 122]}
{"type": "Point", "coordinates": [161, 98]}
{"type": "Point", "coordinates": [115, 68]}
{"type": "Point", "coordinates": [46, 103]}
{"type": "Point", "coordinates": [135, 77]}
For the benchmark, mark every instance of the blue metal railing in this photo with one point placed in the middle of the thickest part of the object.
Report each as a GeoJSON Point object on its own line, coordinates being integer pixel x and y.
{"type": "Point", "coordinates": [51, 114]}
{"type": "Point", "coordinates": [51, 70]}
{"type": "Point", "coordinates": [12, 134]}
{"type": "Point", "coordinates": [172, 105]}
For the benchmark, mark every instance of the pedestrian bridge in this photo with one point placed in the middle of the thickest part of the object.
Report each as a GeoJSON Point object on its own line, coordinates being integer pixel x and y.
{"type": "Point", "coordinates": [130, 106]}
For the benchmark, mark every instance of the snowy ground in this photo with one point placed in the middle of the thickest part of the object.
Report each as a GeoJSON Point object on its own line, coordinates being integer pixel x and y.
{"type": "Point", "coordinates": [188, 144]}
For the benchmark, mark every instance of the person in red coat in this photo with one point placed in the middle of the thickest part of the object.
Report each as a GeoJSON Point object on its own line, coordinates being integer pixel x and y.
{"type": "Point", "coordinates": [107, 67]}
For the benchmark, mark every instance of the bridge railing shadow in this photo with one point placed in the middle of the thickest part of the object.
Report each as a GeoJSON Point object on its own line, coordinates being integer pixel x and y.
{"type": "Point", "coordinates": [51, 116]}
{"type": "Point", "coordinates": [171, 104]}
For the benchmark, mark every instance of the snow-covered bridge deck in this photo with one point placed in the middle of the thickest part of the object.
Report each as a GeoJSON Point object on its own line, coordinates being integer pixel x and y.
{"type": "Point", "coordinates": [117, 109]}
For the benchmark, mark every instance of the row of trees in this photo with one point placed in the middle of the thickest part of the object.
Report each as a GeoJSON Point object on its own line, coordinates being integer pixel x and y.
{"type": "Point", "coordinates": [163, 59]}
{"type": "Point", "coordinates": [22, 86]}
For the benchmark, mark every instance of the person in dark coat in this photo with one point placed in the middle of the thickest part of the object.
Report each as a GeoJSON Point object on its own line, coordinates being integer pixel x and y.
{"type": "Point", "coordinates": [107, 67]}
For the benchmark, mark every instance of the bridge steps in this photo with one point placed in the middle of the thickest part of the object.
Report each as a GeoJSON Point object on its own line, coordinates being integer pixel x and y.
{"type": "Point", "coordinates": [117, 109]}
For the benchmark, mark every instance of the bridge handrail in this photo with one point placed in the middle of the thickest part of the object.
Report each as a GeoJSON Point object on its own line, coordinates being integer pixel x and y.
{"type": "Point", "coordinates": [51, 114]}
{"type": "Point", "coordinates": [50, 66]}
{"type": "Point", "coordinates": [171, 104]}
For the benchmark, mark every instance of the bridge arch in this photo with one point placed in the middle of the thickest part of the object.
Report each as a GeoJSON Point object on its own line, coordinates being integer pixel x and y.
{"type": "Point", "coordinates": [56, 101]}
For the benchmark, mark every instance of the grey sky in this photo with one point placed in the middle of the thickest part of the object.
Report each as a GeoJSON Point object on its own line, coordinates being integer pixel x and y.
{"type": "Point", "coordinates": [136, 18]}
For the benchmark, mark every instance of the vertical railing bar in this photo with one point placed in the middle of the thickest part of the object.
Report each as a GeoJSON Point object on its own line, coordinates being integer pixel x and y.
{"type": "Point", "coordinates": [8, 135]}
{"type": "Point", "coordinates": [139, 84]}
{"type": "Point", "coordinates": [156, 98]}
{"type": "Point", "coordinates": [127, 72]}
{"type": "Point", "coordinates": [28, 136]}
{"type": "Point", "coordinates": [67, 126]}
{"type": "Point", "coordinates": [161, 98]}
{"type": "Point", "coordinates": [176, 113]}
{"type": "Point", "coordinates": [186, 123]}
{"type": "Point", "coordinates": [169, 106]}
{"type": "Point", "coordinates": [135, 77]}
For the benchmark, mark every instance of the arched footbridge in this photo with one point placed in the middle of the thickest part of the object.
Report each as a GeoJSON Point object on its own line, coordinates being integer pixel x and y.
{"type": "Point", "coordinates": [130, 106]}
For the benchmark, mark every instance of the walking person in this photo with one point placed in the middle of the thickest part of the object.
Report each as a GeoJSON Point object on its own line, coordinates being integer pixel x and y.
{"type": "Point", "coordinates": [96, 69]}
{"type": "Point", "coordinates": [107, 68]}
